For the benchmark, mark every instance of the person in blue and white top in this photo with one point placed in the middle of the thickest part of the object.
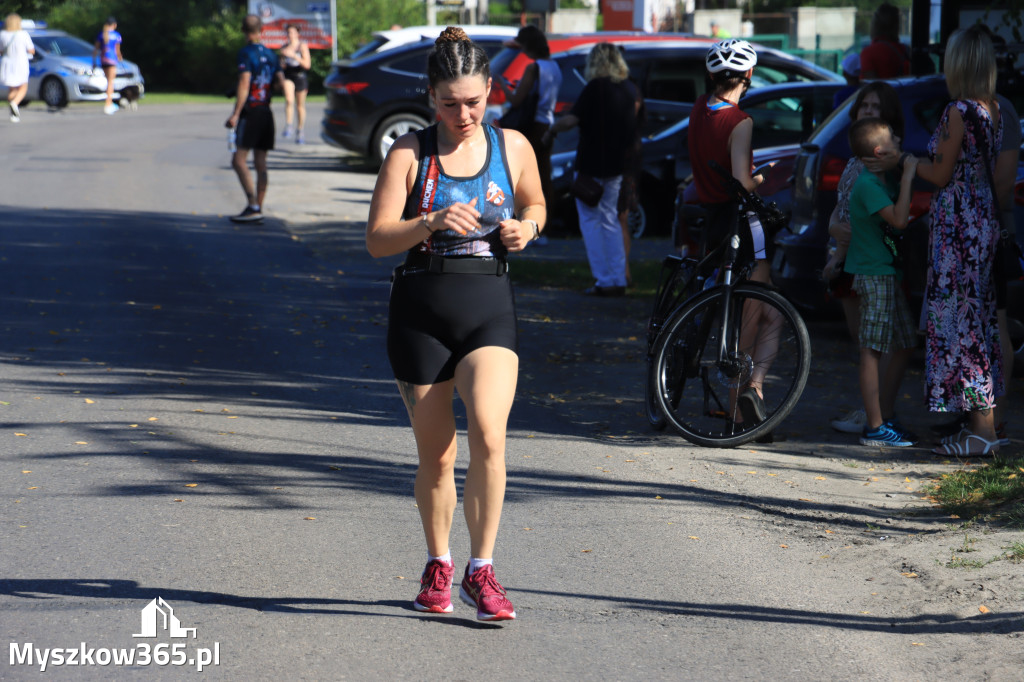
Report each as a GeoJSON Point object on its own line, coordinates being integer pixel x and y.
{"type": "Point", "coordinates": [108, 48]}
{"type": "Point", "coordinates": [541, 80]}
{"type": "Point", "coordinates": [457, 198]}
{"type": "Point", "coordinates": [259, 70]}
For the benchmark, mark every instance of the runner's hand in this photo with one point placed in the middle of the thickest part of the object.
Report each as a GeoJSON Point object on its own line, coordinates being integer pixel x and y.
{"type": "Point", "coordinates": [460, 218]}
{"type": "Point", "coordinates": [515, 234]}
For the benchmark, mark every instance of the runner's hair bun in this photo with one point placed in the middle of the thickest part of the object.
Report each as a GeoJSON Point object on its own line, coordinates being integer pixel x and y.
{"type": "Point", "coordinates": [452, 34]}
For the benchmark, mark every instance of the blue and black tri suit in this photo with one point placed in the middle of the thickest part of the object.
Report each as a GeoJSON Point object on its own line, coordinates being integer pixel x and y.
{"type": "Point", "coordinates": [453, 295]}
{"type": "Point", "coordinates": [256, 123]}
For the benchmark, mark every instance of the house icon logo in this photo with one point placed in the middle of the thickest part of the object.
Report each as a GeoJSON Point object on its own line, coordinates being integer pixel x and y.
{"type": "Point", "coordinates": [158, 615]}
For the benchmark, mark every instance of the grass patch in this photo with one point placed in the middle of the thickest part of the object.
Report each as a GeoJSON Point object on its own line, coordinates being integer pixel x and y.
{"type": "Point", "coordinates": [184, 98]}
{"type": "Point", "coordinates": [959, 562]}
{"type": "Point", "coordinates": [536, 272]}
{"type": "Point", "coordinates": [994, 491]}
{"type": "Point", "coordinates": [1015, 553]}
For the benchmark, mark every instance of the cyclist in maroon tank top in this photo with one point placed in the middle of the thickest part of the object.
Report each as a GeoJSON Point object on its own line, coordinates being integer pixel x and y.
{"type": "Point", "coordinates": [720, 132]}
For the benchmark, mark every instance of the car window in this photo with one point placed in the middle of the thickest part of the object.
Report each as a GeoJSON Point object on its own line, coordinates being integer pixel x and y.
{"type": "Point", "coordinates": [674, 80]}
{"type": "Point", "coordinates": [773, 75]}
{"type": "Point", "coordinates": [64, 46]}
{"type": "Point", "coordinates": [777, 121]}
{"type": "Point", "coordinates": [414, 64]}
{"type": "Point", "coordinates": [375, 44]}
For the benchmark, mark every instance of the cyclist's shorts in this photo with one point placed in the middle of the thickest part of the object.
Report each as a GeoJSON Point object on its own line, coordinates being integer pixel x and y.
{"type": "Point", "coordinates": [753, 241]}
{"type": "Point", "coordinates": [255, 128]}
{"type": "Point", "coordinates": [436, 319]}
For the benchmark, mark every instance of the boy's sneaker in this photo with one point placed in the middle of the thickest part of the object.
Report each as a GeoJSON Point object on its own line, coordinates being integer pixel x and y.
{"type": "Point", "coordinates": [885, 436]}
{"type": "Point", "coordinates": [895, 425]}
{"type": "Point", "coordinates": [853, 422]}
{"type": "Point", "coordinates": [483, 591]}
{"type": "Point", "coordinates": [436, 588]}
{"type": "Point", "coordinates": [248, 215]}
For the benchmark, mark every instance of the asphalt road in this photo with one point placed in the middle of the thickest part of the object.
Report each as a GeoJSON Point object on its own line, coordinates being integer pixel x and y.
{"type": "Point", "coordinates": [203, 413]}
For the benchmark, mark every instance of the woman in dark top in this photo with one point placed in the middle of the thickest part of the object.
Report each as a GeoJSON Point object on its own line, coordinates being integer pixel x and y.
{"type": "Point", "coordinates": [606, 115]}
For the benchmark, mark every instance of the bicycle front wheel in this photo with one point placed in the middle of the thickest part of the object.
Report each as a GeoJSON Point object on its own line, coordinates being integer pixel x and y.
{"type": "Point", "coordinates": [709, 353]}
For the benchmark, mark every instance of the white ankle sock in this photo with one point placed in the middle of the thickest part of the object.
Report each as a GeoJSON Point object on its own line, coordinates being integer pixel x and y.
{"type": "Point", "coordinates": [475, 563]}
{"type": "Point", "coordinates": [447, 558]}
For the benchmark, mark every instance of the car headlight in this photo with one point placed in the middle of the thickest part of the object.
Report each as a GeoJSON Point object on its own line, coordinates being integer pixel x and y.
{"type": "Point", "coordinates": [81, 70]}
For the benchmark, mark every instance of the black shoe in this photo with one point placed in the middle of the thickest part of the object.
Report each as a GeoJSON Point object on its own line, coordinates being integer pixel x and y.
{"type": "Point", "coordinates": [249, 215]}
{"type": "Point", "coordinates": [605, 291]}
{"type": "Point", "coordinates": [751, 406]}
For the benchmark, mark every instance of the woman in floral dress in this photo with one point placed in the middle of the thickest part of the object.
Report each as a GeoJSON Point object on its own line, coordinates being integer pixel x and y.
{"type": "Point", "coordinates": [963, 363]}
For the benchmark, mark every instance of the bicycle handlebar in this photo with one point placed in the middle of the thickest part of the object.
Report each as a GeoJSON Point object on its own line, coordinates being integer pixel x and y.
{"type": "Point", "coordinates": [770, 215]}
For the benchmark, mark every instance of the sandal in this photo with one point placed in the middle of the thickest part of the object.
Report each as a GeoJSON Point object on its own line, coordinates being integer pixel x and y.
{"type": "Point", "coordinates": [963, 449]}
{"type": "Point", "coordinates": [957, 437]}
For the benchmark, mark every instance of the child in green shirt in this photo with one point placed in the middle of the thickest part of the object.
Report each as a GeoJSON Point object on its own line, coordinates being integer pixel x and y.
{"type": "Point", "coordinates": [885, 322]}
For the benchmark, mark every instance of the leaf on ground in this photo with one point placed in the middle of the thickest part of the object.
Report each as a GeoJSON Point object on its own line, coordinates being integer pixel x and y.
{"type": "Point", "coordinates": [309, 518]}
{"type": "Point", "coordinates": [784, 546]}
{"type": "Point", "coordinates": [584, 551]}
{"type": "Point", "coordinates": [694, 537]}
{"type": "Point", "coordinates": [154, 419]}
{"type": "Point", "coordinates": [658, 497]}
{"type": "Point", "coordinates": [179, 500]}
{"type": "Point", "coordinates": [20, 434]}
{"type": "Point", "coordinates": [34, 487]}
{"type": "Point", "coordinates": [805, 499]}
{"type": "Point", "coordinates": [819, 478]}
{"type": "Point", "coordinates": [81, 442]}
{"type": "Point", "coordinates": [90, 401]}
{"type": "Point", "coordinates": [983, 608]}
{"type": "Point", "coordinates": [26, 472]}
{"type": "Point", "coordinates": [909, 574]}
{"type": "Point", "coordinates": [191, 485]}
{"type": "Point", "coordinates": [917, 644]}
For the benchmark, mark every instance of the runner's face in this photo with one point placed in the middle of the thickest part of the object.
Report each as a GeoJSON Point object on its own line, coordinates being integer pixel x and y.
{"type": "Point", "coordinates": [870, 106]}
{"type": "Point", "coordinates": [461, 104]}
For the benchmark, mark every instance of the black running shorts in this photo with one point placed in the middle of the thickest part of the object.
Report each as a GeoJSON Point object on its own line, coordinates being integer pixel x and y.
{"type": "Point", "coordinates": [255, 129]}
{"type": "Point", "coordinates": [297, 75]}
{"type": "Point", "coordinates": [436, 319]}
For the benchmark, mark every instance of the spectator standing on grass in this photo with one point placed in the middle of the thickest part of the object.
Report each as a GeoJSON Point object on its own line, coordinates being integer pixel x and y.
{"type": "Point", "coordinates": [963, 359]}
{"type": "Point", "coordinates": [878, 210]}
{"type": "Point", "coordinates": [296, 62]}
{"type": "Point", "coordinates": [107, 48]}
{"type": "Point", "coordinates": [885, 57]}
{"type": "Point", "coordinates": [15, 48]}
{"type": "Point", "coordinates": [457, 197]}
{"type": "Point", "coordinates": [258, 71]}
{"type": "Point", "coordinates": [606, 115]}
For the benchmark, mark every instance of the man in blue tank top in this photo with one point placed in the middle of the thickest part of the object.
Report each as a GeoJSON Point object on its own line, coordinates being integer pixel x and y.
{"type": "Point", "coordinates": [258, 71]}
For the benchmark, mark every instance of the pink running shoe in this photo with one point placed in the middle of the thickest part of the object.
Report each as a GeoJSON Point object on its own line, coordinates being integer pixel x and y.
{"type": "Point", "coordinates": [436, 588]}
{"type": "Point", "coordinates": [483, 591]}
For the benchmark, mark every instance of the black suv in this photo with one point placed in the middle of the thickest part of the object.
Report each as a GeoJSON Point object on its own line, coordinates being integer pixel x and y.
{"type": "Point", "coordinates": [373, 100]}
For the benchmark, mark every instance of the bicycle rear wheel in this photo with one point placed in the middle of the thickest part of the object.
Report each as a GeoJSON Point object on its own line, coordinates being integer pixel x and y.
{"type": "Point", "coordinates": [700, 365]}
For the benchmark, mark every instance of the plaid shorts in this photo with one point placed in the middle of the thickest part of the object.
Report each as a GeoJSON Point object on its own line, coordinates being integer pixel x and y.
{"type": "Point", "coordinates": [885, 323]}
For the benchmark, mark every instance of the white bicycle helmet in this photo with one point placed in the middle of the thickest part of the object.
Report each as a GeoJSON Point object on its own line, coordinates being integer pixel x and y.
{"type": "Point", "coordinates": [731, 55]}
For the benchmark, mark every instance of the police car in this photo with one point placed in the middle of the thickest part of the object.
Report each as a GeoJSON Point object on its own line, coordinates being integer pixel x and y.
{"type": "Point", "coordinates": [62, 70]}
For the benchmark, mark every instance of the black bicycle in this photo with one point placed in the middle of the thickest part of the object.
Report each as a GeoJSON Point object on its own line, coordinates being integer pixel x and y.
{"type": "Point", "coordinates": [713, 330]}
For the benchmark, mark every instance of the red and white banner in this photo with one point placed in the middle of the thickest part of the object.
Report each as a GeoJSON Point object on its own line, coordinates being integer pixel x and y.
{"type": "Point", "coordinates": [312, 18]}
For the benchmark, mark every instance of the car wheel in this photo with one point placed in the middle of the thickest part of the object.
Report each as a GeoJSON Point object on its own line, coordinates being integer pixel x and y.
{"type": "Point", "coordinates": [636, 221]}
{"type": "Point", "coordinates": [54, 93]}
{"type": "Point", "coordinates": [389, 130]}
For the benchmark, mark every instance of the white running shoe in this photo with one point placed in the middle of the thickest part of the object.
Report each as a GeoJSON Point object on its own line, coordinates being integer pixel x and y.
{"type": "Point", "coordinates": [110, 109]}
{"type": "Point", "coordinates": [853, 422]}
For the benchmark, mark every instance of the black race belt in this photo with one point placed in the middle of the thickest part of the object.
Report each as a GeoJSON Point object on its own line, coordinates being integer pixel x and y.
{"type": "Point", "coordinates": [462, 265]}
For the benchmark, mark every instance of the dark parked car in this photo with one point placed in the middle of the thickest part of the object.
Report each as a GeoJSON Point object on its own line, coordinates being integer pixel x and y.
{"type": "Point", "coordinates": [784, 115]}
{"type": "Point", "coordinates": [801, 253]}
{"type": "Point", "coordinates": [374, 99]}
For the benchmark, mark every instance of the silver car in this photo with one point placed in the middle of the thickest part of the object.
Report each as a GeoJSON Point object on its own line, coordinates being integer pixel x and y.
{"type": "Point", "coordinates": [62, 71]}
